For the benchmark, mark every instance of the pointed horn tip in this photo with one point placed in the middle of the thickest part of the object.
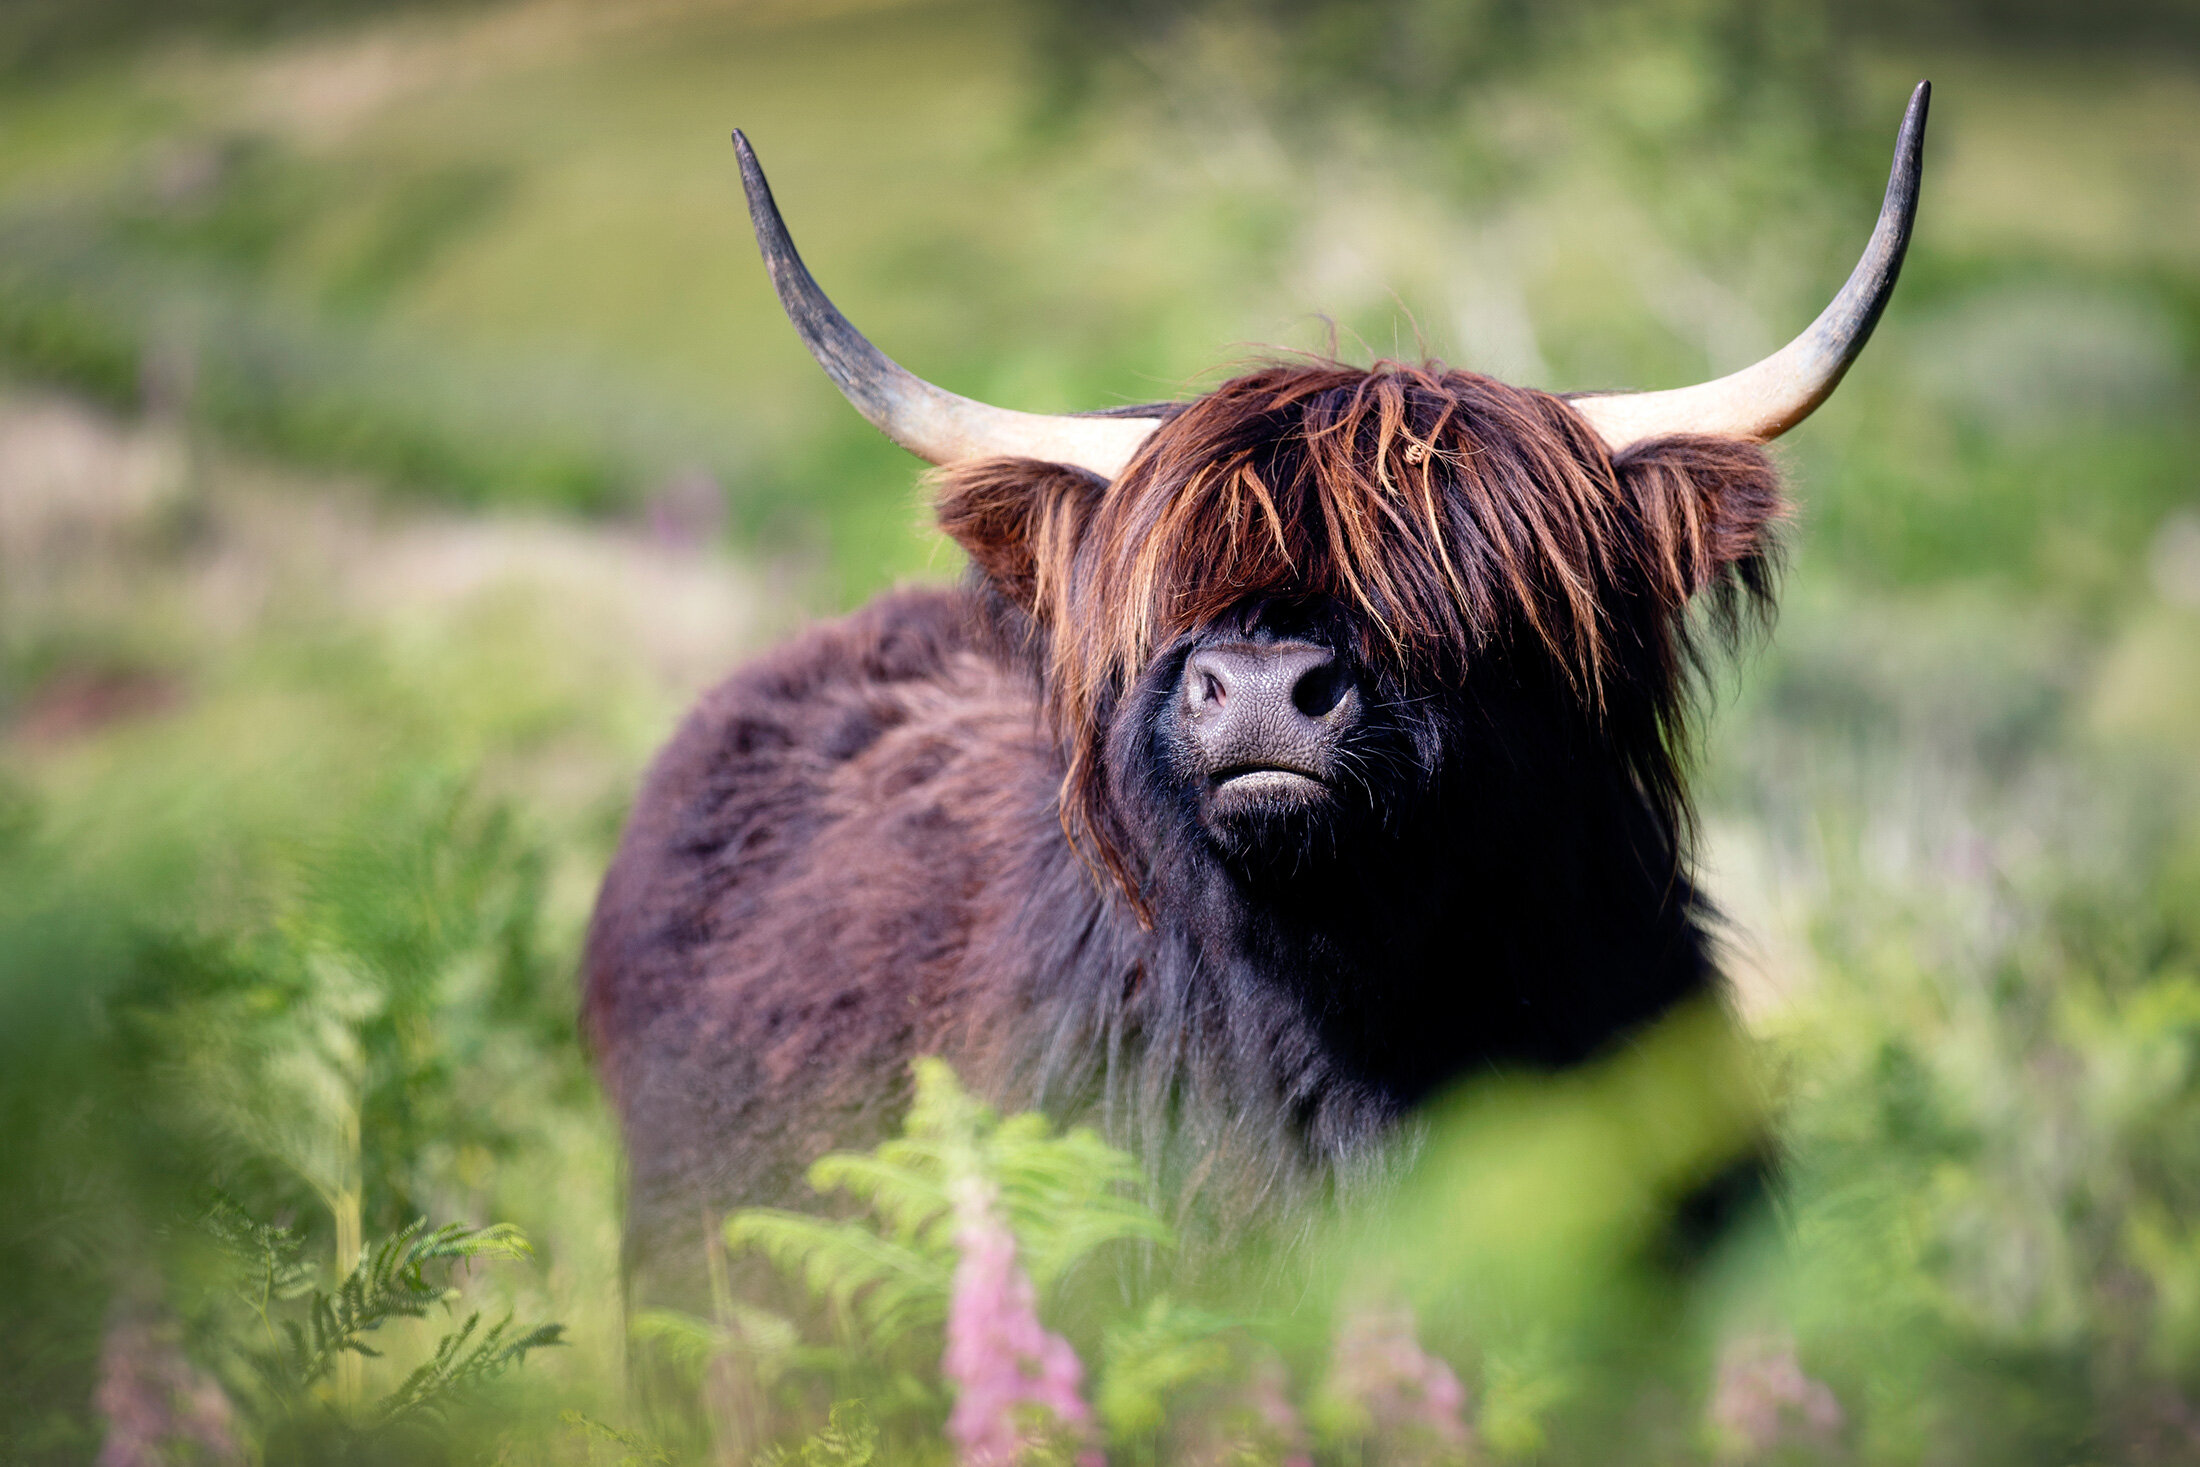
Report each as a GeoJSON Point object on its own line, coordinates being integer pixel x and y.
{"type": "Point", "coordinates": [763, 212]}
{"type": "Point", "coordinates": [1910, 139]}
{"type": "Point", "coordinates": [752, 172]}
{"type": "Point", "coordinates": [1909, 156]}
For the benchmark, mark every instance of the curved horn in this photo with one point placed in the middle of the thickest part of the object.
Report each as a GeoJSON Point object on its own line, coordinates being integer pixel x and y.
{"type": "Point", "coordinates": [1765, 400]}
{"type": "Point", "coordinates": [931, 422]}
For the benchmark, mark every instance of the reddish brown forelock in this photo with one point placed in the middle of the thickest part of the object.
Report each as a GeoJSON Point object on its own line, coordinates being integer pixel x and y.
{"type": "Point", "coordinates": [1437, 506]}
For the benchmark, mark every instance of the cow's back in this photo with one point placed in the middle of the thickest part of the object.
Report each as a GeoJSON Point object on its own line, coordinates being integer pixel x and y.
{"type": "Point", "coordinates": [790, 915]}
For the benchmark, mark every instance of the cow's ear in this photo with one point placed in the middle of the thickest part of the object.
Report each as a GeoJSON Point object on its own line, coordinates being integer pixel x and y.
{"type": "Point", "coordinates": [1706, 511]}
{"type": "Point", "coordinates": [1020, 519]}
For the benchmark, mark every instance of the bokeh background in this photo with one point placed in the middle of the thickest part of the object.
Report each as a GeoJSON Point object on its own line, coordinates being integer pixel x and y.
{"type": "Point", "coordinates": [396, 429]}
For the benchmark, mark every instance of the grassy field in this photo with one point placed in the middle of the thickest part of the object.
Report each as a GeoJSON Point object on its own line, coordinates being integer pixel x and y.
{"type": "Point", "coordinates": [397, 430]}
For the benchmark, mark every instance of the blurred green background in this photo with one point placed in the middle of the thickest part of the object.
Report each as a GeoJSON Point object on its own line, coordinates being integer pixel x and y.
{"type": "Point", "coordinates": [396, 429]}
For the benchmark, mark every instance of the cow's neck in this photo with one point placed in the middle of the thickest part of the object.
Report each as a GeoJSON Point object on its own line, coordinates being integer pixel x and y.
{"type": "Point", "coordinates": [1264, 1038]}
{"type": "Point", "coordinates": [1352, 993]}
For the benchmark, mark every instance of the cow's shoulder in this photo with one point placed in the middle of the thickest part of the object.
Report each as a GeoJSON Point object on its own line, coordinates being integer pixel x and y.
{"type": "Point", "coordinates": [848, 695]}
{"type": "Point", "coordinates": [859, 767]}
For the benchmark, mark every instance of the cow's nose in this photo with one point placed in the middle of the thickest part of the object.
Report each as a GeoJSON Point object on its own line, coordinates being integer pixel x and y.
{"type": "Point", "coordinates": [1268, 706]}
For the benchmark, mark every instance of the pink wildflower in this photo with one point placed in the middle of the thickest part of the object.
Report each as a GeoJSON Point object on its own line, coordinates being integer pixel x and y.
{"type": "Point", "coordinates": [1015, 1384]}
{"type": "Point", "coordinates": [1251, 1422]}
{"type": "Point", "coordinates": [1761, 1399]}
{"type": "Point", "coordinates": [1411, 1403]}
{"type": "Point", "coordinates": [1267, 1398]}
{"type": "Point", "coordinates": [159, 1407]}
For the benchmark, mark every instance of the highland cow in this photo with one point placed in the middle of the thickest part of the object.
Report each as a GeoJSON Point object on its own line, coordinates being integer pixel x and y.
{"type": "Point", "coordinates": [1286, 755]}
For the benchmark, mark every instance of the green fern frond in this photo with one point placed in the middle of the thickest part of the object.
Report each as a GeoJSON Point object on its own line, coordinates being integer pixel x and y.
{"type": "Point", "coordinates": [1067, 1196]}
{"type": "Point", "coordinates": [460, 1362]}
{"type": "Point", "coordinates": [886, 1286]}
{"type": "Point", "coordinates": [902, 1183]}
{"type": "Point", "coordinates": [1148, 1361]}
{"type": "Point", "coordinates": [391, 1283]}
{"type": "Point", "coordinates": [681, 1340]}
{"type": "Point", "coordinates": [502, 1241]}
{"type": "Point", "coordinates": [848, 1439]}
{"type": "Point", "coordinates": [636, 1450]}
{"type": "Point", "coordinates": [689, 1344]}
{"type": "Point", "coordinates": [1064, 1196]}
{"type": "Point", "coordinates": [392, 1280]}
{"type": "Point", "coordinates": [268, 1260]}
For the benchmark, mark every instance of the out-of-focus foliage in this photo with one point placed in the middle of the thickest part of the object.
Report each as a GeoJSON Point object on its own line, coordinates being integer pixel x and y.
{"type": "Point", "coordinates": [1421, 58]}
{"type": "Point", "coordinates": [848, 1439]}
{"type": "Point", "coordinates": [370, 1042]}
{"type": "Point", "coordinates": [1990, 1111]}
{"type": "Point", "coordinates": [396, 429]}
{"type": "Point", "coordinates": [295, 939]}
{"type": "Point", "coordinates": [38, 35]}
{"type": "Point", "coordinates": [296, 1379]}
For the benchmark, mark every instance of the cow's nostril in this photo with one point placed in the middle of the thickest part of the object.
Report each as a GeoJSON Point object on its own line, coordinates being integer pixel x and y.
{"type": "Point", "coordinates": [1319, 690]}
{"type": "Point", "coordinates": [1216, 693]}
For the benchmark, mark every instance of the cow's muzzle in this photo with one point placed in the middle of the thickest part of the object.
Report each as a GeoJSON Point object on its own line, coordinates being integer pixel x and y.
{"type": "Point", "coordinates": [1267, 720]}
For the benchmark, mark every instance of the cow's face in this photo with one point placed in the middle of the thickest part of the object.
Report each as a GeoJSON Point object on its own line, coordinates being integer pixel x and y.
{"type": "Point", "coordinates": [1324, 602]}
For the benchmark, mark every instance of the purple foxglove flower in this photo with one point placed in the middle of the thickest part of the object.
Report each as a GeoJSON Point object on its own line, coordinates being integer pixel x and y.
{"type": "Point", "coordinates": [1267, 1397]}
{"type": "Point", "coordinates": [1761, 1400]}
{"type": "Point", "coordinates": [1411, 1403]}
{"type": "Point", "coordinates": [158, 1406]}
{"type": "Point", "coordinates": [1016, 1385]}
{"type": "Point", "coordinates": [1252, 1422]}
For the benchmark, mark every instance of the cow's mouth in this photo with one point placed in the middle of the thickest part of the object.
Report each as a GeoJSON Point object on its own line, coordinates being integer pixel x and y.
{"type": "Point", "coordinates": [1266, 781]}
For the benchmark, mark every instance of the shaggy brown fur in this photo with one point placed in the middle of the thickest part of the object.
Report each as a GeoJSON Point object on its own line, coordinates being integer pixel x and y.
{"type": "Point", "coordinates": [957, 822]}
